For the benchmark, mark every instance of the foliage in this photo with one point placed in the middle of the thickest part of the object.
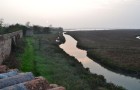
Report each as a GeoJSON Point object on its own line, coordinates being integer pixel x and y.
{"type": "Point", "coordinates": [41, 30]}
{"type": "Point", "coordinates": [13, 28]}
{"type": "Point", "coordinates": [47, 29]}
{"type": "Point", "coordinates": [28, 57]}
{"type": "Point", "coordinates": [36, 29]}
{"type": "Point", "coordinates": [1, 27]}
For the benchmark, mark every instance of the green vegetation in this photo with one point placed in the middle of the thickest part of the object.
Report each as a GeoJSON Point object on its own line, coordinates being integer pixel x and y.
{"type": "Point", "coordinates": [41, 30]}
{"type": "Point", "coordinates": [115, 49]}
{"type": "Point", "coordinates": [43, 56]}
{"type": "Point", "coordinates": [12, 28]}
{"type": "Point", "coordinates": [28, 56]}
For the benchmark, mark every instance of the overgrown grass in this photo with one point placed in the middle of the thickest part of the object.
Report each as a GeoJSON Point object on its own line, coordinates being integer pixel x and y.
{"type": "Point", "coordinates": [43, 56]}
{"type": "Point", "coordinates": [28, 57]}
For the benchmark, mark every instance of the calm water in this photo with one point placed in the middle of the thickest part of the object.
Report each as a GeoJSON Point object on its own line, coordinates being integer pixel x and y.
{"type": "Point", "coordinates": [127, 82]}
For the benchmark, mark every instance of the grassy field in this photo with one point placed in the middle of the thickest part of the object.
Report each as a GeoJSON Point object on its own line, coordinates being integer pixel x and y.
{"type": "Point", "coordinates": [43, 57]}
{"type": "Point", "coordinates": [118, 50]}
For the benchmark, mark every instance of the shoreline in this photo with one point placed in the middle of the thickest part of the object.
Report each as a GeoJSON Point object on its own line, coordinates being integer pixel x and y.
{"type": "Point", "coordinates": [97, 59]}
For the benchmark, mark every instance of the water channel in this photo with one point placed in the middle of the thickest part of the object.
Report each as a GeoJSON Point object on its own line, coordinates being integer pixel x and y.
{"type": "Point", "coordinates": [127, 82]}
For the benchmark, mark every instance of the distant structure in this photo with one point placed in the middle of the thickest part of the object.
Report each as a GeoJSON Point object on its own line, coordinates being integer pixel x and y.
{"type": "Point", "coordinates": [29, 32]}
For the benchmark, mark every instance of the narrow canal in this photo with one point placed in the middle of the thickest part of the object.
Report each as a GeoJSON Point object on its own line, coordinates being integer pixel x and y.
{"type": "Point", "coordinates": [127, 82]}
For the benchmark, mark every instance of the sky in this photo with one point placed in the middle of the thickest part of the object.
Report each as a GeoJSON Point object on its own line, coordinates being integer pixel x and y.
{"type": "Point", "coordinates": [97, 14]}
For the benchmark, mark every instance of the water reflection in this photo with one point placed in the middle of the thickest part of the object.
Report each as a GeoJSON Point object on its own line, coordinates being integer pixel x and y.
{"type": "Point", "coordinates": [69, 47]}
{"type": "Point", "coordinates": [138, 37]}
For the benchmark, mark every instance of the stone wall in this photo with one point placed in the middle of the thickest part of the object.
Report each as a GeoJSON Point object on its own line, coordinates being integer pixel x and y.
{"type": "Point", "coordinates": [6, 41]}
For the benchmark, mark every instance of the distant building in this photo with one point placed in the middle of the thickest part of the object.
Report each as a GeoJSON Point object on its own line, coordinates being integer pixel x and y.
{"type": "Point", "coordinates": [29, 32]}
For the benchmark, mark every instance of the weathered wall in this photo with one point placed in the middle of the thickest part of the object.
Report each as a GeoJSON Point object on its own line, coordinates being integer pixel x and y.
{"type": "Point", "coordinates": [6, 42]}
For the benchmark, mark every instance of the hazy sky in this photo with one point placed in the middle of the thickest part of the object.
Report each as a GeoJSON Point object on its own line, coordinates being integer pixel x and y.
{"type": "Point", "coordinates": [73, 13]}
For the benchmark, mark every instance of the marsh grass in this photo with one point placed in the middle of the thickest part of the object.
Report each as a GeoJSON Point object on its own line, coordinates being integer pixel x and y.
{"type": "Point", "coordinates": [116, 49]}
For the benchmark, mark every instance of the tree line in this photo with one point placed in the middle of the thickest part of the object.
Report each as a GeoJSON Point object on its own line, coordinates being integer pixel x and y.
{"type": "Point", "coordinates": [35, 28]}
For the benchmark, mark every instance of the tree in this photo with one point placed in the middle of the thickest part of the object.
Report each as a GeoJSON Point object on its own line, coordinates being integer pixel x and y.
{"type": "Point", "coordinates": [36, 29]}
{"type": "Point", "coordinates": [27, 24]}
{"type": "Point", "coordinates": [1, 22]}
{"type": "Point", "coordinates": [46, 29]}
{"type": "Point", "coordinates": [1, 27]}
